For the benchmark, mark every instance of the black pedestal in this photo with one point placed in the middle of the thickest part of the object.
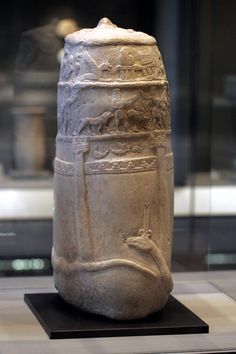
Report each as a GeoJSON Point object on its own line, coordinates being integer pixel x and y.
{"type": "Point", "coordinates": [61, 320]}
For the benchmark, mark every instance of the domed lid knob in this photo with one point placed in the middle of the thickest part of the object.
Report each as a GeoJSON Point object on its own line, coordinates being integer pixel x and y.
{"type": "Point", "coordinates": [105, 23]}
{"type": "Point", "coordinates": [107, 33]}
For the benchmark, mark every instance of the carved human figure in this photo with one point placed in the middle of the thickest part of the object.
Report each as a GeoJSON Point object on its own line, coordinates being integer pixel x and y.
{"type": "Point", "coordinates": [66, 100]}
{"type": "Point", "coordinates": [71, 65]}
{"type": "Point", "coordinates": [159, 107]}
{"type": "Point", "coordinates": [68, 67]}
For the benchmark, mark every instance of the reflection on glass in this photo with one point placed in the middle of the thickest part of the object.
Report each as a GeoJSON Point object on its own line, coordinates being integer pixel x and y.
{"type": "Point", "coordinates": [35, 80]}
{"type": "Point", "coordinates": [197, 40]}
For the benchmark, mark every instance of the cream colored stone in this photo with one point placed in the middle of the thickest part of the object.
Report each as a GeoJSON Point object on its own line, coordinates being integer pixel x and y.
{"type": "Point", "coordinates": [113, 174]}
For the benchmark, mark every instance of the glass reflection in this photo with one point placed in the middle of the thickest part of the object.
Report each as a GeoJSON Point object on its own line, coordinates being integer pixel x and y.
{"type": "Point", "coordinates": [197, 41]}
{"type": "Point", "coordinates": [35, 80]}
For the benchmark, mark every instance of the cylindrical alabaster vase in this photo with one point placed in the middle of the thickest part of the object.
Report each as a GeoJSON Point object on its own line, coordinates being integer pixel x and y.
{"type": "Point", "coordinates": [113, 181]}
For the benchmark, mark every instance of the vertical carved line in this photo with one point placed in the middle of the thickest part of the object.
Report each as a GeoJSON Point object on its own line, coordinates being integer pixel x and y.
{"type": "Point", "coordinates": [160, 153]}
{"type": "Point", "coordinates": [82, 214]}
{"type": "Point", "coordinates": [163, 195]}
{"type": "Point", "coordinates": [167, 209]}
{"type": "Point", "coordinates": [170, 179]}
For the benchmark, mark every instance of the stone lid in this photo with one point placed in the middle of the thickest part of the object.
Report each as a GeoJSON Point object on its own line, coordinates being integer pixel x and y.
{"type": "Point", "coordinates": [107, 33]}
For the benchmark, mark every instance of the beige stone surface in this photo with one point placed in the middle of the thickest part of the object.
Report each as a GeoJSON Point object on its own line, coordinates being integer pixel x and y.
{"type": "Point", "coordinates": [113, 178]}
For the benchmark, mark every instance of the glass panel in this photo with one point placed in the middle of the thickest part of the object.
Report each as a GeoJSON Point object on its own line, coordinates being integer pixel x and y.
{"type": "Point", "coordinates": [31, 47]}
{"type": "Point", "coordinates": [222, 246]}
{"type": "Point", "coordinates": [196, 39]}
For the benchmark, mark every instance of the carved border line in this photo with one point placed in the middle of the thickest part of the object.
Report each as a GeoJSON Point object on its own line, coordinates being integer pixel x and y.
{"type": "Point", "coordinates": [158, 134]}
{"type": "Point", "coordinates": [121, 166]}
{"type": "Point", "coordinates": [113, 84]}
{"type": "Point", "coordinates": [65, 168]}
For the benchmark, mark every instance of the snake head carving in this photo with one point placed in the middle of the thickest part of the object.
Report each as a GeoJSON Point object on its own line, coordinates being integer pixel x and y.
{"type": "Point", "coordinates": [142, 243]}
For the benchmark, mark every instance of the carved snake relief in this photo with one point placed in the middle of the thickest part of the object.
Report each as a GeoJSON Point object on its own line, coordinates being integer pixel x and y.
{"type": "Point", "coordinates": [145, 244]}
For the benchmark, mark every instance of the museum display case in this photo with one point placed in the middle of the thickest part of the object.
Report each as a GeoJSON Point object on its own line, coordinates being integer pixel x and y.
{"type": "Point", "coordinates": [197, 41]}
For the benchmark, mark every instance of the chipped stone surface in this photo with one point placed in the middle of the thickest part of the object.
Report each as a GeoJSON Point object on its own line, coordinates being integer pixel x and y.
{"type": "Point", "coordinates": [113, 174]}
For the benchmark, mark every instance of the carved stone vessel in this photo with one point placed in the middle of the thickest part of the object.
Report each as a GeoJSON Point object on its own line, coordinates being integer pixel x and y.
{"type": "Point", "coordinates": [113, 174]}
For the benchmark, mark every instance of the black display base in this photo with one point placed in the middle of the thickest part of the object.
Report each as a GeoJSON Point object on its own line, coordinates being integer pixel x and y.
{"type": "Point", "coordinates": [61, 320]}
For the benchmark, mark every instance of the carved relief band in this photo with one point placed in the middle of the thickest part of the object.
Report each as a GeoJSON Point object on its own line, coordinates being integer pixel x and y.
{"type": "Point", "coordinates": [116, 166]}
